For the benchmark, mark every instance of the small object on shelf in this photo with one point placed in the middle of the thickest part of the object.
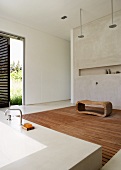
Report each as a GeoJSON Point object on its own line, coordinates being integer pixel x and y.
{"type": "Point", "coordinates": [106, 71]}
{"type": "Point", "coordinates": [109, 71]}
{"type": "Point", "coordinates": [117, 72]}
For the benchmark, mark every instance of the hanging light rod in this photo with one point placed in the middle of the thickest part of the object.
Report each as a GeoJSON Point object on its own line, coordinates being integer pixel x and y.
{"type": "Point", "coordinates": [81, 36]}
{"type": "Point", "coordinates": [112, 25]}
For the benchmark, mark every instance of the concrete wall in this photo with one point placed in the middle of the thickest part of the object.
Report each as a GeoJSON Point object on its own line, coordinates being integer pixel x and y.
{"type": "Point", "coordinates": [47, 64]}
{"type": "Point", "coordinates": [100, 47]}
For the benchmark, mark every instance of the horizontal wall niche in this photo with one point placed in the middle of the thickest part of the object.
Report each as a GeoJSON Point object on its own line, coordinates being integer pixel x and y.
{"type": "Point", "coordinates": [113, 69]}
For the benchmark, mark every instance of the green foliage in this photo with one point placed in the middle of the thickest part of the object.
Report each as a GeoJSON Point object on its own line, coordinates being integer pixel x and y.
{"type": "Point", "coordinates": [13, 65]}
{"type": "Point", "coordinates": [16, 95]}
{"type": "Point", "coordinates": [16, 87]}
{"type": "Point", "coordinates": [16, 75]}
{"type": "Point", "coordinates": [16, 67]}
{"type": "Point", "coordinates": [16, 100]}
{"type": "Point", "coordinates": [16, 71]}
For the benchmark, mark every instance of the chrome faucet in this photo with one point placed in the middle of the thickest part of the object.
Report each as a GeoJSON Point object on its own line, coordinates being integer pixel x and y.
{"type": "Point", "coordinates": [20, 114]}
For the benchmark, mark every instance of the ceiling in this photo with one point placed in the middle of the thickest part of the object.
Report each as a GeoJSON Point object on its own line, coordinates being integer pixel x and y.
{"type": "Point", "coordinates": [45, 15]}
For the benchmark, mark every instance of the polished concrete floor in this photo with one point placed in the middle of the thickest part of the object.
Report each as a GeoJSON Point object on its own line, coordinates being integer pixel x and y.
{"type": "Point", "coordinates": [40, 107]}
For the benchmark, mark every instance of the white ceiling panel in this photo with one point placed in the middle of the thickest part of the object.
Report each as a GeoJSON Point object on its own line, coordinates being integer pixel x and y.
{"type": "Point", "coordinates": [45, 15]}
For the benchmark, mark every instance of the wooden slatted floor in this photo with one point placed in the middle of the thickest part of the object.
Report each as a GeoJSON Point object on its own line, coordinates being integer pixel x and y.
{"type": "Point", "coordinates": [102, 131]}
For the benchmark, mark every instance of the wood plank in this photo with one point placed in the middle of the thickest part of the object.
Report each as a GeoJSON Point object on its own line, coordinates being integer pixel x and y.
{"type": "Point", "coordinates": [103, 131]}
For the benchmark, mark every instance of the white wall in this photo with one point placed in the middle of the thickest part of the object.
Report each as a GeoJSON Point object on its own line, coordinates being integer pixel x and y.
{"type": "Point", "coordinates": [47, 64]}
{"type": "Point", "coordinates": [100, 47]}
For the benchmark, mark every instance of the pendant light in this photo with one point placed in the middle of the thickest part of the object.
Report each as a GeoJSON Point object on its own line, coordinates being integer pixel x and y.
{"type": "Point", "coordinates": [112, 25]}
{"type": "Point", "coordinates": [81, 36]}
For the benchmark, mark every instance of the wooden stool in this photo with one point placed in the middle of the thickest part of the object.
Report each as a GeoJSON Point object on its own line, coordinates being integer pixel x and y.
{"type": "Point", "coordinates": [80, 107]}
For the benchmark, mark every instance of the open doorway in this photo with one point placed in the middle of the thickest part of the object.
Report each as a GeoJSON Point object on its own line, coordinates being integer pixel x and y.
{"type": "Point", "coordinates": [12, 70]}
{"type": "Point", "coordinates": [16, 71]}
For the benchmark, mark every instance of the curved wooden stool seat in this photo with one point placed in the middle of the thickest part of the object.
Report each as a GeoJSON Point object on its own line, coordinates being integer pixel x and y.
{"type": "Point", "coordinates": [80, 107]}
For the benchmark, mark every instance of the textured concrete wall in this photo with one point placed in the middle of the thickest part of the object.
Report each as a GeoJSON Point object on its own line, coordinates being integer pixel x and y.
{"type": "Point", "coordinates": [100, 47]}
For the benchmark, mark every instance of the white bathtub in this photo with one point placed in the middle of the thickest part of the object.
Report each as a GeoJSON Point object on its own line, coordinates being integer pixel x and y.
{"type": "Point", "coordinates": [15, 145]}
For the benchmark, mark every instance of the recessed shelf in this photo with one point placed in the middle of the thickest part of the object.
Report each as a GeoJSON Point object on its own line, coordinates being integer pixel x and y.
{"type": "Point", "coordinates": [113, 69]}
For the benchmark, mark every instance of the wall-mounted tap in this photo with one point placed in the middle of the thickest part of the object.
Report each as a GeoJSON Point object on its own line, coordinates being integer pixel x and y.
{"type": "Point", "coordinates": [18, 110]}
{"type": "Point", "coordinates": [96, 83]}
